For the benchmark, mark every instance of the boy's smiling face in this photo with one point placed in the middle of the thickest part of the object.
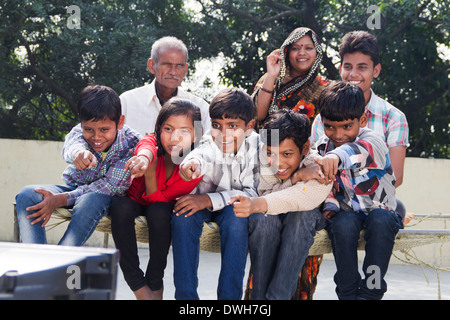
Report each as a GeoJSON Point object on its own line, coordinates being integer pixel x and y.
{"type": "Point", "coordinates": [286, 157]}
{"type": "Point", "coordinates": [228, 134]}
{"type": "Point", "coordinates": [357, 68]}
{"type": "Point", "coordinates": [101, 134]}
{"type": "Point", "coordinates": [342, 132]}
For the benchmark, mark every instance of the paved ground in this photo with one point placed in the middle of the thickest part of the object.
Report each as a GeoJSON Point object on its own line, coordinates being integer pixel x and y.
{"type": "Point", "coordinates": [405, 282]}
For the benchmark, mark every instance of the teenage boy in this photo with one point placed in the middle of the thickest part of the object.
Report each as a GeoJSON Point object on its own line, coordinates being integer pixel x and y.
{"type": "Point", "coordinates": [364, 192]}
{"type": "Point", "coordinates": [228, 162]}
{"type": "Point", "coordinates": [360, 64]}
{"type": "Point", "coordinates": [101, 145]}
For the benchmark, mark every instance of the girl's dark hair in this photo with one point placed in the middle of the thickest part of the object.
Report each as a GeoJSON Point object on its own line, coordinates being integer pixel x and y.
{"type": "Point", "coordinates": [360, 41]}
{"type": "Point", "coordinates": [341, 101]}
{"type": "Point", "coordinates": [99, 103]}
{"type": "Point", "coordinates": [284, 124]}
{"type": "Point", "coordinates": [178, 106]}
{"type": "Point", "coordinates": [232, 103]}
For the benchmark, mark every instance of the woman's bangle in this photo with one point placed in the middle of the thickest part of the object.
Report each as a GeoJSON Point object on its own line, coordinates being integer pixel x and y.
{"type": "Point", "coordinates": [265, 90]}
{"type": "Point", "coordinates": [144, 155]}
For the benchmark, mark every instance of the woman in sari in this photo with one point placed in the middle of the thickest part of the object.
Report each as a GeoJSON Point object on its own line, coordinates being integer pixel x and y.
{"type": "Point", "coordinates": [292, 81]}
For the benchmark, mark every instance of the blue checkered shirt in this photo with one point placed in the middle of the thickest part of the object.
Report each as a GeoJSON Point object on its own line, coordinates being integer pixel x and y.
{"type": "Point", "coordinates": [109, 176]}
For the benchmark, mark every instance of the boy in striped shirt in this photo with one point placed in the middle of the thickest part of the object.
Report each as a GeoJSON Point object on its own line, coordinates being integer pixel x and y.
{"type": "Point", "coordinates": [360, 64]}
{"type": "Point", "coordinates": [363, 195]}
{"type": "Point", "coordinates": [227, 159]}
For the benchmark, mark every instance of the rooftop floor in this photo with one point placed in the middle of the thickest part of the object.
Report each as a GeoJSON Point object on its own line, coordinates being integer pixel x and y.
{"type": "Point", "coordinates": [405, 282]}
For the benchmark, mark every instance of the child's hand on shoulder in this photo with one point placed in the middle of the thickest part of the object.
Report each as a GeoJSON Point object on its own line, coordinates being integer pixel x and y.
{"type": "Point", "coordinates": [84, 159]}
{"type": "Point", "coordinates": [329, 165]}
{"type": "Point", "coordinates": [307, 174]}
{"type": "Point", "coordinates": [190, 170]}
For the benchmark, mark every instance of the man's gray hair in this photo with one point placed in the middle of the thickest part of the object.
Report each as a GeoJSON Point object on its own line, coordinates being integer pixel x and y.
{"type": "Point", "coordinates": [167, 43]}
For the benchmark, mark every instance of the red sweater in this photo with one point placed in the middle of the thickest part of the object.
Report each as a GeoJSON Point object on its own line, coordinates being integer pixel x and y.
{"type": "Point", "coordinates": [168, 190]}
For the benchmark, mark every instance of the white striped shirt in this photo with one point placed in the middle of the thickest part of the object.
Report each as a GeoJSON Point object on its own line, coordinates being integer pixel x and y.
{"type": "Point", "coordinates": [227, 174]}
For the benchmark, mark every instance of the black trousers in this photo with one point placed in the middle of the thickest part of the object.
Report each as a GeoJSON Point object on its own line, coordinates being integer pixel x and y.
{"type": "Point", "coordinates": [123, 212]}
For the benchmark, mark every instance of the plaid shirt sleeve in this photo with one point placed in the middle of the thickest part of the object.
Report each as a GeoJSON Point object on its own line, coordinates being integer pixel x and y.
{"type": "Point", "coordinates": [387, 121]}
{"type": "Point", "coordinates": [73, 143]}
{"type": "Point", "coordinates": [109, 177]}
{"type": "Point", "coordinates": [397, 129]}
{"type": "Point", "coordinates": [115, 181]}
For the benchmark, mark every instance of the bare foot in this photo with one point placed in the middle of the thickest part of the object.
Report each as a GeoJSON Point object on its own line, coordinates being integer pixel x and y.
{"type": "Point", "coordinates": [408, 217]}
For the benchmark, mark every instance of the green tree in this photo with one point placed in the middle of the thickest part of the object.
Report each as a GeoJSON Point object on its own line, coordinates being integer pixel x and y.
{"type": "Point", "coordinates": [413, 38]}
{"type": "Point", "coordinates": [44, 64]}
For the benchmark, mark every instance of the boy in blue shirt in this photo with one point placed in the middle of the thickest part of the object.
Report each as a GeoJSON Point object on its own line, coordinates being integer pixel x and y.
{"type": "Point", "coordinates": [99, 148]}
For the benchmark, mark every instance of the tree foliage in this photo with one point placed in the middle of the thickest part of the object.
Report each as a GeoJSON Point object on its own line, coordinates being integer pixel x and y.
{"type": "Point", "coordinates": [413, 37]}
{"type": "Point", "coordinates": [44, 64]}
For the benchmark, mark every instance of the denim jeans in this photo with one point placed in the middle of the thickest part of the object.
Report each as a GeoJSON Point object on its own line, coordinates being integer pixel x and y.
{"type": "Point", "coordinates": [381, 227]}
{"type": "Point", "coordinates": [279, 246]}
{"type": "Point", "coordinates": [186, 234]}
{"type": "Point", "coordinates": [87, 212]}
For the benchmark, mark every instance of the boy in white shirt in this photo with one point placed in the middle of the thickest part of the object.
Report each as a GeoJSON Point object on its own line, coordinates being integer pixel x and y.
{"type": "Point", "coordinates": [229, 163]}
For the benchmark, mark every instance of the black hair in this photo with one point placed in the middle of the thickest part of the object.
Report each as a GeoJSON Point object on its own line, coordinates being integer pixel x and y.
{"type": "Point", "coordinates": [360, 41]}
{"type": "Point", "coordinates": [98, 102]}
{"type": "Point", "coordinates": [289, 124]}
{"type": "Point", "coordinates": [232, 103]}
{"type": "Point", "coordinates": [177, 106]}
{"type": "Point", "coordinates": [341, 101]}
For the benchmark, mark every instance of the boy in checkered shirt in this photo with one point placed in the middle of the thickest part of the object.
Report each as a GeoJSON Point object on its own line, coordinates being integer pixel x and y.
{"type": "Point", "coordinates": [98, 150]}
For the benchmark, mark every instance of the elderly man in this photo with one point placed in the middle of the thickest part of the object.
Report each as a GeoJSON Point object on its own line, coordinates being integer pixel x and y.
{"type": "Point", "coordinates": [168, 62]}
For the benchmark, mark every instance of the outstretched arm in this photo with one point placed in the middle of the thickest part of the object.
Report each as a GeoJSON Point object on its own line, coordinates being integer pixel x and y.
{"type": "Point", "coordinates": [244, 205]}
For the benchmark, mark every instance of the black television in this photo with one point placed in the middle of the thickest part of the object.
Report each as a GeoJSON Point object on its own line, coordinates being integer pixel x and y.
{"type": "Point", "coordinates": [51, 272]}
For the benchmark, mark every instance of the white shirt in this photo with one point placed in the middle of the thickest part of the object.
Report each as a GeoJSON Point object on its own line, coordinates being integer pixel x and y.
{"type": "Point", "coordinates": [141, 107]}
{"type": "Point", "coordinates": [227, 174]}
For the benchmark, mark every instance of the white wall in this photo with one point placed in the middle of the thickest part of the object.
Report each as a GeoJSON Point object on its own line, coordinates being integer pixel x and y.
{"type": "Point", "coordinates": [425, 188]}
{"type": "Point", "coordinates": [24, 162]}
